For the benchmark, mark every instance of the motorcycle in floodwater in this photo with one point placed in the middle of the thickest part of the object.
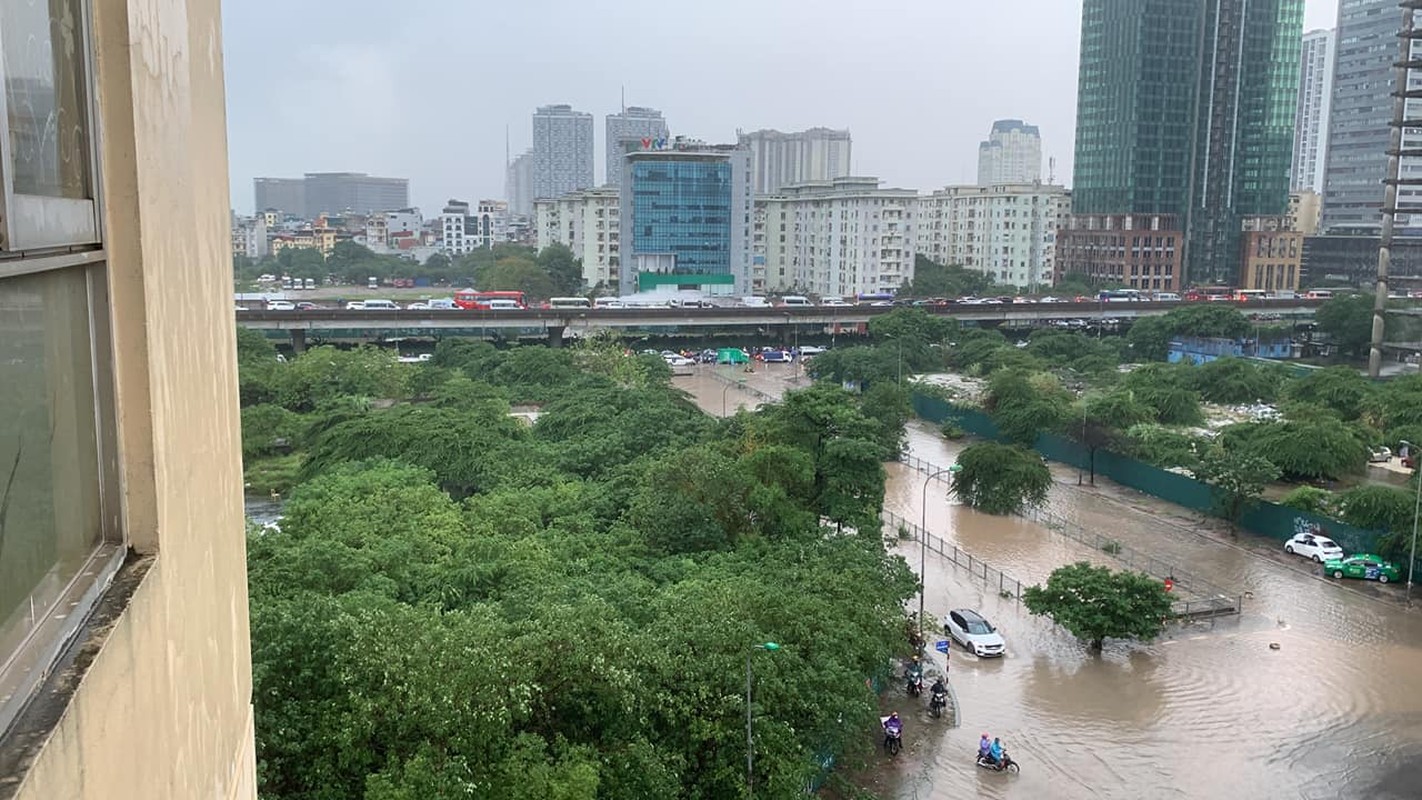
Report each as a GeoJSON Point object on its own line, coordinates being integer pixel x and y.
{"type": "Point", "coordinates": [937, 703]}
{"type": "Point", "coordinates": [1006, 765]}
{"type": "Point", "coordinates": [915, 684]}
{"type": "Point", "coordinates": [893, 737]}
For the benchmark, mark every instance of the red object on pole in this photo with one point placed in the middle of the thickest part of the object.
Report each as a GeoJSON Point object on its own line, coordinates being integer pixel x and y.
{"type": "Point", "coordinates": [1169, 584]}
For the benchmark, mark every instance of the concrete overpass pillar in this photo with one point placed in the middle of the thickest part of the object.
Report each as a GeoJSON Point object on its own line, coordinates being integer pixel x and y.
{"type": "Point", "coordinates": [555, 335]}
{"type": "Point", "coordinates": [298, 341]}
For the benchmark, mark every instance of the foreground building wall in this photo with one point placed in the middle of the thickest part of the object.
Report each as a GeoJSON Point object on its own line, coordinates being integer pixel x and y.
{"type": "Point", "coordinates": [158, 705]}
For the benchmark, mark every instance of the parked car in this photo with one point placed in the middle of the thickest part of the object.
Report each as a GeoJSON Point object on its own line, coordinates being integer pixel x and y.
{"type": "Point", "coordinates": [975, 633]}
{"type": "Point", "coordinates": [1364, 565]}
{"type": "Point", "coordinates": [280, 305]}
{"type": "Point", "coordinates": [1318, 548]}
{"type": "Point", "coordinates": [1379, 455]}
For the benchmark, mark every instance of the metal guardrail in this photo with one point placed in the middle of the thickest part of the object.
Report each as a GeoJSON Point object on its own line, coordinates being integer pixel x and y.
{"type": "Point", "coordinates": [1200, 598]}
{"type": "Point", "coordinates": [1006, 585]}
{"type": "Point", "coordinates": [743, 386]}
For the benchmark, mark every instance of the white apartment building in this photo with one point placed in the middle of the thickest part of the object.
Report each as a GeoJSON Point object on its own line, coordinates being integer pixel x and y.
{"type": "Point", "coordinates": [1007, 231]}
{"type": "Point", "coordinates": [841, 237]}
{"type": "Point", "coordinates": [518, 185]}
{"type": "Point", "coordinates": [562, 151]}
{"type": "Point", "coordinates": [585, 222]}
{"type": "Point", "coordinates": [1012, 153]}
{"type": "Point", "coordinates": [461, 232]}
{"type": "Point", "coordinates": [383, 229]}
{"type": "Point", "coordinates": [784, 159]}
{"type": "Point", "coordinates": [249, 236]}
{"type": "Point", "coordinates": [1314, 105]}
{"type": "Point", "coordinates": [625, 132]}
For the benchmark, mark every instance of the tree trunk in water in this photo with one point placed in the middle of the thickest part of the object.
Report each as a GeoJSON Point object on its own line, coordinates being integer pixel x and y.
{"type": "Point", "coordinates": [1097, 644]}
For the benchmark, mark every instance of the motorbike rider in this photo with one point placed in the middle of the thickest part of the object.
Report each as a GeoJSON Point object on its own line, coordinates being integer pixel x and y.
{"type": "Point", "coordinates": [939, 687]}
{"type": "Point", "coordinates": [893, 727]}
{"type": "Point", "coordinates": [985, 747]}
{"type": "Point", "coordinates": [995, 751]}
{"type": "Point", "coordinates": [914, 672]}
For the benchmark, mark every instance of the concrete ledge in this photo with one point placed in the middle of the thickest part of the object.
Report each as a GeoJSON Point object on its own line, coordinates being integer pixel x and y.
{"type": "Point", "coordinates": [25, 740]}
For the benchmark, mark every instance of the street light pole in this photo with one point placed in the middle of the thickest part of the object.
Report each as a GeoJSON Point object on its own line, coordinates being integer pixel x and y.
{"type": "Point", "coordinates": [1416, 507]}
{"type": "Point", "coordinates": [770, 647]}
{"type": "Point", "coordinates": [923, 541]}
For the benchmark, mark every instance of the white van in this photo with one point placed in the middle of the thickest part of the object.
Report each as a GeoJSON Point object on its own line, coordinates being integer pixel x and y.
{"type": "Point", "coordinates": [1166, 297]}
{"type": "Point", "coordinates": [496, 304]}
{"type": "Point", "coordinates": [754, 301]}
{"type": "Point", "coordinates": [795, 301]}
{"type": "Point", "coordinates": [380, 305]}
{"type": "Point", "coordinates": [607, 302]}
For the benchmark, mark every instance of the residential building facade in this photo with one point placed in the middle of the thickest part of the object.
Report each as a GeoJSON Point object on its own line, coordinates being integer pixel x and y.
{"type": "Point", "coordinates": [1139, 251]}
{"type": "Point", "coordinates": [463, 229]}
{"type": "Point", "coordinates": [353, 192]}
{"type": "Point", "coordinates": [782, 159]}
{"type": "Point", "coordinates": [518, 185]}
{"type": "Point", "coordinates": [249, 236]}
{"type": "Point", "coordinates": [842, 238]}
{"type": "Point", "coordinates": [1211, 89]}
{"type": "Point", "coordinates": [125, 655]}
{"type": "Point", "coordinates": [1359, 128]}
{"type": "Point", "coordinates": [1314, 104]}
{"type": "Point", "coordinates": [685, 218]}
{"type": "Point", "coordinates": [1273, 255]}
{"type": "Point", "coordinates": [1305, 210]}
{"type": "Point", "coordinates": [624, 132]}
{"type": "Point", "coordinates": [1008, 231]}
{"type": "Point", "coordinates": [283, 195]}
{"type": "Point", "coordinates": [562, 151]}
{"type": "Point", "coordinates": [585, 222]}
{"type": "Point", "coordinates": [1012, 153]}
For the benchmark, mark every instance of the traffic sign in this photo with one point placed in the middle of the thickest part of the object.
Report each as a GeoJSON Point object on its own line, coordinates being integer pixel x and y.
{"type": "Point", "coordinates": [941, 645]}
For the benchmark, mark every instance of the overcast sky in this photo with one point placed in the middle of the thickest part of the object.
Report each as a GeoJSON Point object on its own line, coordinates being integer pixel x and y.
{"type": "Point", "coordinates": [424, 89]}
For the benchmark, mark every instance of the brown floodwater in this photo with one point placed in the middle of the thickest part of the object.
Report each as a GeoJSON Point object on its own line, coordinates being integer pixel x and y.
{"type": "Point", "coordinates": [1206, 711]}
{"type": "Point", "coordinates": [1209, 710]}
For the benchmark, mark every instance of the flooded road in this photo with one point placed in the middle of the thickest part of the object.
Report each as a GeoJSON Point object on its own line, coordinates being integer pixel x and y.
{"type": "Point", "coordinates": [1207, 711]}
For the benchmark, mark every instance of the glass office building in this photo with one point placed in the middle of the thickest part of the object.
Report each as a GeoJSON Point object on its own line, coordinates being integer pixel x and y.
{"type": "Point", "coordinates": [1186, 108]}
{"type": "Point", "coordinates": [685, 219]}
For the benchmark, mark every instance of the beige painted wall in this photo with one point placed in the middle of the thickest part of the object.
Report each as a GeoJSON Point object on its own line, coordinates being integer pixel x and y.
{"type": "Point", "coordinates": [165, 709]}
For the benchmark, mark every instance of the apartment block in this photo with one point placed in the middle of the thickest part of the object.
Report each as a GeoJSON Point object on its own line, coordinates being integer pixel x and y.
{"type": "Point", "coordinates": [784, 159]}
{"type": "Point", "coordinates": [842, 237]}
{"type": "Point", "coordinates": [1012, 153]}
{"type": "Point", "coordinates": [1272, 257]}
{"type": "Point", "coordinates": [625, 132]}
{"type": "Point", "coordinates": [585, 222]}
{"type": "Point", "coordinates": [562, 151]}
{"type": "Point", "coordinates": [1008, 232]}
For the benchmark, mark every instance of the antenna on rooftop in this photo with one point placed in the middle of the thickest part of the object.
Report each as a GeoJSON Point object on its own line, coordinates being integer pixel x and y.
{"type": "Point", "coordinates": [624, 99]}
{"type": "Point", "coordinates": [1051, 171]}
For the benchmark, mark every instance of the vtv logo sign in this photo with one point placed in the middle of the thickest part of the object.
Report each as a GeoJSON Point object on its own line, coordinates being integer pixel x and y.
{"type": "Point", "coordinates": [659, 143]}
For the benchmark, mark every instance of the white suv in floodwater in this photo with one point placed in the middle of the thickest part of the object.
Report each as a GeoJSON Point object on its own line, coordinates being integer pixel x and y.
{"type": "Point", "coordinates": [976, 634]}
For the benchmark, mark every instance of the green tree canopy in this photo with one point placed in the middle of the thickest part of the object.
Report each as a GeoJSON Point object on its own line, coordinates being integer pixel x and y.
{"type": "Point", "coordinates": [1166, 389]}
{"type": "Point", "coordinates": [1234, 380]}
{"type": "Point", "coordinates": [563, 270]}
{"type": "Point", "coordinates": [1240, 477]}
{"type": "Point", "coordinates": [1096, 604]}
{"type": "Point", "coordinates": [1025, 406]}
{"type": "Point", "coordinates": [1348, 321]}
{"type": "Point", "coordinates": [1342, 389]}
{"type": "Point", "coordinates": [1001, 479]}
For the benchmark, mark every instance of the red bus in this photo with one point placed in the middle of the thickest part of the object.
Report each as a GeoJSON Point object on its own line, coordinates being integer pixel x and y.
{"type": "Point", "coordinates": [469, 298]}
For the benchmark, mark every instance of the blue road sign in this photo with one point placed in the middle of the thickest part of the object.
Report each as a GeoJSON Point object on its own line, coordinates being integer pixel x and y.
{"type": "Point", "coordinates": [941, 645]}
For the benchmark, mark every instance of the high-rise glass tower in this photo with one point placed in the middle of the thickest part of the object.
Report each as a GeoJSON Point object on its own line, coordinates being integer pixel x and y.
{"type": "Point", "coordinates": [1315, 100]}
{"type": "Point", "coordinates": [1186, 107]}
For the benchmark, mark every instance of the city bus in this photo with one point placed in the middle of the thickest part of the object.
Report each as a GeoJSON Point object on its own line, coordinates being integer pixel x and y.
{"type": "Point", "coordinates": [1120, 296]}
{"type": "Point", "coordinates": [1210, 293]}
{"type": "Point", "coordinates": [569, 302]}
{"type": "Point", "coordinates": [469, 298]}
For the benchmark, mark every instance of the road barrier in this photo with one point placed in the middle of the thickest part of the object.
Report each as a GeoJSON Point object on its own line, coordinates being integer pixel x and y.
{"type": "Point", "coordinates": [1006, 585]}
{"type": "Point", "coordinates": [1198, 598]}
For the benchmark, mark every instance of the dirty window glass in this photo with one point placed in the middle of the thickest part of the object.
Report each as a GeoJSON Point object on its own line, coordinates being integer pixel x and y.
{"type": "Point", "coordinates": [42, 45]}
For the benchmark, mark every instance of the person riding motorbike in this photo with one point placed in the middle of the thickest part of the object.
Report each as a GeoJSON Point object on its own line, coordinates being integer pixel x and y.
{"type": "Point", "coordinates": [985, 747]}
{"type": "Point", "coordinates": [995, 751]}
{"type": "Point", "coordinates": [893, 728]}
{"type": "Point", "coordinates": [913, 674]}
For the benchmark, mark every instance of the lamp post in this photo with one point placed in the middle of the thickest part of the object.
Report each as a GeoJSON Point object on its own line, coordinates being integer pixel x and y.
{"type": "Point", "coordinates": [1416, 506]}
{"type": "Point", "coordinates": [769, 647]}
{"type": "Point", "coordinates": [923, 540]}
